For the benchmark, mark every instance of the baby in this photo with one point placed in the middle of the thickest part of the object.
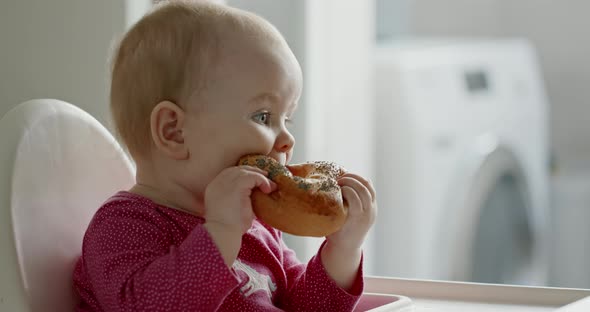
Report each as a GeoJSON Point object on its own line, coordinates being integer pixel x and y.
{"type": "Point", "coordinates": [195, 86]}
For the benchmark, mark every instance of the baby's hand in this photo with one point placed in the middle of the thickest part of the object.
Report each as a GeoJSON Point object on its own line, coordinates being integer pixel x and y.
{"type": "Point", "coordinates": [359, 195]}
{"type": "Point", "coordinates": [227, 197]}
{"type": "Point", "coordinates": [228, 209]}
{"type": "Point", "coordinates": [342, 253]}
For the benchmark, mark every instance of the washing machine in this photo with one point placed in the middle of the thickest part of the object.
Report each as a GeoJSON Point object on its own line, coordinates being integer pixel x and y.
{"type": "Point", "coordinates": [462, 159]}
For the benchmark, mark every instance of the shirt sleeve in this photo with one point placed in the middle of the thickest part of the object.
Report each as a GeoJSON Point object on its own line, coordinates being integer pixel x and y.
{"type": "Point", "coordinates": [312, 289]}
{"type": "Point", "coordinates": [132, 267]}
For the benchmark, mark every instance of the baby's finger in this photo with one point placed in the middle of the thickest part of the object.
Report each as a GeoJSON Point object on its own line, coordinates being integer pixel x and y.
{"type": "Point", "coordinates": [353, 200]}
{"type": "Point", "coordinates": [367, 183]}
{"type": "Point", "coordinates": [273, 185]}
{"type": "Point", "coordinates": [361, 190]}
{"type": "Point", "coordinates": [249, 180]}
{"type": "Point", "coordinates": [254, 169]}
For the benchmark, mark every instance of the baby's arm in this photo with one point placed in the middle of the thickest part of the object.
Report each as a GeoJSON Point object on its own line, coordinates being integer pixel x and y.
{"type": "Point", "coordinates": [228, 209]}
{"type": "Point", "coordinates": [341, 264]}
{"type": "Point", "coordinates": [132, 267]}
{"type": "Point", "coordinates": [227, 240]}
{"type": "Point", "coordinates": [333, 278]}
{"type": "Point", "coordinates": [310, 288]}
{"type": "Point", "coordinates": [341, 254]}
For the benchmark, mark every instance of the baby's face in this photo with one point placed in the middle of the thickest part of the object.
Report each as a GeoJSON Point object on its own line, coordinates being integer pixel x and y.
{"type": "Point", "coordinates": [246, 107]}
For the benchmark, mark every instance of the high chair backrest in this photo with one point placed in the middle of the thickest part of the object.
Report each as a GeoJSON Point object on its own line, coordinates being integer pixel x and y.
{"type": "Point", "coordinates": [57, 165]}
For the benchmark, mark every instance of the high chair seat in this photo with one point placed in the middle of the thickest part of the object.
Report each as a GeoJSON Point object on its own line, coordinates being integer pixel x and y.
{"type": "Point", "coordinates": [57, 165]}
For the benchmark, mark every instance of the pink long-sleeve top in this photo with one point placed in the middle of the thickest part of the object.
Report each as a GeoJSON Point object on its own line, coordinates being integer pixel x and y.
{"type": "Point", "coordinates": [141, 256]}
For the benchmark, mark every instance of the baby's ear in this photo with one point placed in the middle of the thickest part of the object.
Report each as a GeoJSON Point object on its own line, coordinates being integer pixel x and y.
{"type": "Point", "coordinates": [166, 124]}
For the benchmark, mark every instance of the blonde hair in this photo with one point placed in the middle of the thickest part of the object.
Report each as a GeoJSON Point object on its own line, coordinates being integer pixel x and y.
{"type": "Point", "coordinates": [164, 56]}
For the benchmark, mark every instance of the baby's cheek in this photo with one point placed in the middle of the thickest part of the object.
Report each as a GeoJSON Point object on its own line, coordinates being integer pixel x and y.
{"type": "Point", "coordinates": [262, 136]}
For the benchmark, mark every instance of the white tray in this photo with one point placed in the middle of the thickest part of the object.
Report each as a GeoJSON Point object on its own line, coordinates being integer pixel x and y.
{"type": "Point", "coordinates": [441, 296]}
{"type": "Point", "coordinates": [383, 303]}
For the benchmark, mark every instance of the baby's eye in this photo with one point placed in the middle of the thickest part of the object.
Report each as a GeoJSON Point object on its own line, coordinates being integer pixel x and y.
{"type": "Point", "coordinates": [262, 118]}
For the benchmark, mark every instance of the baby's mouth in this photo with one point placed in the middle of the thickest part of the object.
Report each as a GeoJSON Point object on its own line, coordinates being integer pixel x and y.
{"type": "Point", "coordinates": [280, 160]}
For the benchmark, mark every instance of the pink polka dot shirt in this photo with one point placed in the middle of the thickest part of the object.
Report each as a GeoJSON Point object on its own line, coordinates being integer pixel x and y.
{"type": "Point", "coordinates": [140, 256]}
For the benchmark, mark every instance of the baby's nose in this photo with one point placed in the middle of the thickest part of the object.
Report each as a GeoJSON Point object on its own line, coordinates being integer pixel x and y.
{"type": "Point", "coordinates": [284, 142]}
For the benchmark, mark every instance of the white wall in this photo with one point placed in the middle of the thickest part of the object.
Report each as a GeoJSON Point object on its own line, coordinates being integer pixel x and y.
{"type": "Point", "coordinates": [59, 49]}
{"type": "Point", "coordinates": [340, 100]}
{"type": "Point", "coordinates": [559, 30]}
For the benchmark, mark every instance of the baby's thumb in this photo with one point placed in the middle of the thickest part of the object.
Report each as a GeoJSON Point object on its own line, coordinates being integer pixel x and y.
{"type": "Point", "coordinates": [268, 186]}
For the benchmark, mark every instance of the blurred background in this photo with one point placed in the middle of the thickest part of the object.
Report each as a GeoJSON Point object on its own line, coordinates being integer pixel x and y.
{"type": "Point", "coordinates": [470, 116]}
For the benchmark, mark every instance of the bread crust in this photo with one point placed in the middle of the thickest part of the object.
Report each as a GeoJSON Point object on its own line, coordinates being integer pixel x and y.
{"type": "Point", "coordinates": [308, 200]}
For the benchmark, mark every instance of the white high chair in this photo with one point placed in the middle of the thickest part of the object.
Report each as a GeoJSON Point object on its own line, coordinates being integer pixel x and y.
{"type": "Point", "coordinates": [57, 165]}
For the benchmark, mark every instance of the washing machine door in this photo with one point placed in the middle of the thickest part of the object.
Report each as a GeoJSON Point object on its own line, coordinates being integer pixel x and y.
{"type": "Point", "coordinates": [488, 234]}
